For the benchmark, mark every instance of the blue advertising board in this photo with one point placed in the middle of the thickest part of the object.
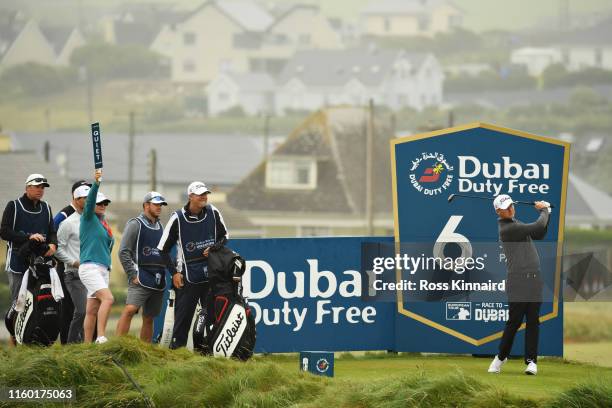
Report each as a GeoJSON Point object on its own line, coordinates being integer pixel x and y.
{"type": "Point", "coordinates": [484, 161]}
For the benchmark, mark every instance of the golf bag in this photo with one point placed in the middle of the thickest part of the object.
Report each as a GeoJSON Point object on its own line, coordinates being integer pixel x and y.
{"type": "Point", "coordinates": [39, 321]}
{"type": "Point", "coordinates": [228, 329]}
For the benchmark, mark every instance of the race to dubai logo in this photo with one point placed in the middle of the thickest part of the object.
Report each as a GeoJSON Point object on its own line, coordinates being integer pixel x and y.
{"type": "Point", "coordinates": [431, 174]}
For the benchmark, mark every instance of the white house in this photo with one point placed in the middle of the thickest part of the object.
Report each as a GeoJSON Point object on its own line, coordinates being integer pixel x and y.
{"type": "Point", "coordinates": [536, 60]}
{"type": "Point", "coordinates": [317, 78]}
{"type": "Point", "coordinates": [253, 92]}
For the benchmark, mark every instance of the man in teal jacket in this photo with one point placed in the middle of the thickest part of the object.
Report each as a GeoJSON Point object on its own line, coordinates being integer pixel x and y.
{"type": "Point", "coordinates": [95, 261]}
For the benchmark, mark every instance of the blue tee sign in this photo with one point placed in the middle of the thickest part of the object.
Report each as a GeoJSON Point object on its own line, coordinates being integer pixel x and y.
{"type": "Point", "coordinates": [483, 161]}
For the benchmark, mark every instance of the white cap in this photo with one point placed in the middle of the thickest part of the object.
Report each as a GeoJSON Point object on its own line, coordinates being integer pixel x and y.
{"type": "Point", "coordinates": [36, 180]}
{"type": "Point", "coordinates": [100, 198]}
{"type": "Point", "coordinates": [502, 202]}
{"type": "Point", "coordinates": [81, 191]}
{"type": "Point", "coordinates": [197, 187]}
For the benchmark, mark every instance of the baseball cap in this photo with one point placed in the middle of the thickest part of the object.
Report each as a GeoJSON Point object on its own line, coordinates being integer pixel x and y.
{"type": "Point", "coordinates": [79, 184]}
{"type": "Point", "coordinates": [155, 198]}
{"type": "Point", "coordinates": [502, 202]}
{"type": "Point", "coordinates": [197, 187]}
{"type": "Point", "coordinates": [36, 180]}
{"type": "Point", "coordinates": [81, 191]}
{"type": "Point", "coordinates": [101, 198]}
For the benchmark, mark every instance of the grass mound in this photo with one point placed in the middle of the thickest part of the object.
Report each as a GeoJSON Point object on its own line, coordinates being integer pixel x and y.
{"type": "Point", "coordinates": [182, 379]}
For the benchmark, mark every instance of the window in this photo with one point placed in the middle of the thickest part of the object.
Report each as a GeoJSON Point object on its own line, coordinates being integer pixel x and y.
{"type": "Point", "coordinates": [189, 66]}
{"type": "Point", "coordinates": [423, 23]}
{"type": "Point", "coordinates": [304, 39]}
{"type": "Point", "coordinates": [189, 38]}
{"type": "Point", "coordinates": [387, 24]}
{"type": "Point", "coordinates": [291, 173]}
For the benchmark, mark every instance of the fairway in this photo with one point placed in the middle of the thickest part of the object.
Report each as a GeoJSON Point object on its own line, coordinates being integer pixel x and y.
{"type": "Point", "coordinates": [554, 375]}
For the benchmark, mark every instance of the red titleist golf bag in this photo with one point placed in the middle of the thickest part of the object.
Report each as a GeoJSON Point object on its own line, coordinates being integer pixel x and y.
{"type": "Point", "coordinates": [227, 328]}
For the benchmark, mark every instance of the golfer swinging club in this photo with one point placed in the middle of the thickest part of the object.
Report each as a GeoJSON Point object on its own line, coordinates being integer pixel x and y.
{"type": "Point", "coordinates": [524, 284]}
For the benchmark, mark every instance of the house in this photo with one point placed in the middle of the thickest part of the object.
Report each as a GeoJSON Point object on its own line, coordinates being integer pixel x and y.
{"type": "Point", "coordinates": [401, 18]}
{"type": "Point", "coordinates": [315, 182]}
{"type": "Point", "coordinates": [240, 36]}
{"type": "Point", "coordinates": [252, 92]}
{"type": "Point", "coordinates": [536, 60]}
{"type": "Point", "coordinates": [396, 79]}
{"type": "Point", "coordinates": [589, 47]}
{"type": "Point", "coordinates": [137, 23]}
{"type": "Point", "coordinates": [30, 43]}
{"type": "Point", "coordinates": [181, 159]}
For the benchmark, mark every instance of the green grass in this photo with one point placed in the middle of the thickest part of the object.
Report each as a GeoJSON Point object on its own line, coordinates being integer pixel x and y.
{"type": "Point", "coordinates": [179, 378]}
{"type": "Point", "coordinates": [587, 321]}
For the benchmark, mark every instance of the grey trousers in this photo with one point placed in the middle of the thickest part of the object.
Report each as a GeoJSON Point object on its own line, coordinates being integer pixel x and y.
{"type": "Point", "coordinates": [78, 293]}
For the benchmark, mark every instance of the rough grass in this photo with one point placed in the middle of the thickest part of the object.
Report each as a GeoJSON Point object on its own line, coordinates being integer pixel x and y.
{"type": "Point", "coordinates": [181, 379]}
{"type": "Point", "coordinates": [588, 321]}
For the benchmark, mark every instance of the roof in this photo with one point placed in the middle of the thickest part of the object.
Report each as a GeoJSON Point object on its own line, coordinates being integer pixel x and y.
{"type": "Point", "coordinates": [57, 37]}
{"type": "Point", "coordinates": [394, 7]}
{"type": "Point", "coordinates": [15, 168]}
{"type": "Point", "coordinates": [10, 27]}
{"type": "Point", "coordinates": [285, 11]}
{"type": "Point", "coordinates": [253, 81]}
{"type": "Point", "coordinates": [250, 15]}
{"type": "Point", "coordinates": [337, 67]}
{"type": "Point", "coordinates": [334, 137]}
{"type": "Point", "coordinates": [586, 203]}
{"type": "Point", "coordinates": [180, 157]}
{"type": "Point", "coordinates": [247, 14]}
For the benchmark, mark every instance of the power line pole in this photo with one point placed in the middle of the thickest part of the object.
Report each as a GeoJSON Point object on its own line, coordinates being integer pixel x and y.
{"type": "Point", "coordinates": [369, 145]}
{"type": "Point", "coordinates": [153, 169]}
{"type": "Point", "coordinates": [266, 135]}
{"type": "Point", "coordinates": [131, 135]}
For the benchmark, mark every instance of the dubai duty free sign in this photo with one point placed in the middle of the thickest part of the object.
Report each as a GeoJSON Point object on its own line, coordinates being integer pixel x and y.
{"type": "Point", "coordinates": [464, 309]}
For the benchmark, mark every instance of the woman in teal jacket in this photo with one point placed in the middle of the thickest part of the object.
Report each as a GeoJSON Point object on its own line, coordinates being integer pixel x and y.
{"type": "Point", "coordinates": [95, 261]}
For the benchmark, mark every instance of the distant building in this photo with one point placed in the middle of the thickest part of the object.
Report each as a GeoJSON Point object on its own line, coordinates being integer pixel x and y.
{"type": "Point", "coordinates": [317, 78]}
{"type": "Point", "coordinates": [314, 183]}
{"type": "Point", "coordinates": [240, 36]}
{"type": "Point", "coordinates": [221, 161]}
{"type": "Point", "coordinates": [397, 18]}
{"type": "Point", "coordinates": [29, 42]}
{"type": "Point", "coordinates": [252, 92]}
{"type": "Point", "coordinates": [589, 47]}
{"type": "Point", "coordinates": [536, 60]}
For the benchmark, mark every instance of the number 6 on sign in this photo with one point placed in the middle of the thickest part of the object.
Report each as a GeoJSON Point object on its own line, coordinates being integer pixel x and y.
{"type": "Point", "coordinates": [448, 235]}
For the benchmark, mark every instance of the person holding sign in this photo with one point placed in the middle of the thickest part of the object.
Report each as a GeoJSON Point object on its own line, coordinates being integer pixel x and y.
{"type": "Point", "coordinates": [96, 243]}
{"type": "Point", "coordinates": [524, 283]}
{"type": "Point", "coordinates": [196, 227]}
{"type": "Point", "coordinates": [144, 266]}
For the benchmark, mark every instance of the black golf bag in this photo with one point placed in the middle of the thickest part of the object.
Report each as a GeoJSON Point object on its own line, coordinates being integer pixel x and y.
{"type": "Point", "coordinates": [227, 328]}
{"type": "Point", "coordinates": [39, 322]}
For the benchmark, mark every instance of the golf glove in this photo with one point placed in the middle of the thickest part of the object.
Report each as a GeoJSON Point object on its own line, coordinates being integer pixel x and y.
{"type": "Point", "coordinates": [547, 206]}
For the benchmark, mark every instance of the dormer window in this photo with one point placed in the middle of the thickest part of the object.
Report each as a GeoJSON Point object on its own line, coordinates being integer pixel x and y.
{"type": "Point", "coordinates": [299, 173]}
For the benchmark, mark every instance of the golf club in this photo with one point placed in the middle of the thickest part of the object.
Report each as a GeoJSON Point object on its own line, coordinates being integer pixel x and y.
{"type": "Point", "coordinates": [452, 197]}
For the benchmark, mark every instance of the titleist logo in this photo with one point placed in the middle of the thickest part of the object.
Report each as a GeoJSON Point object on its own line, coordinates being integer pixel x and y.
{"type": "Point", "coordinates": [226, 339]}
